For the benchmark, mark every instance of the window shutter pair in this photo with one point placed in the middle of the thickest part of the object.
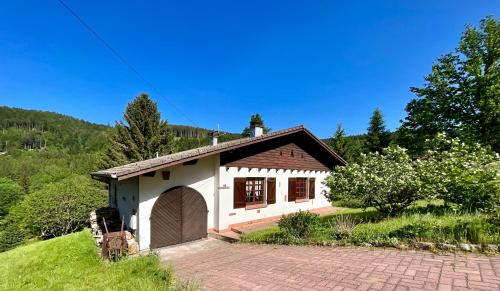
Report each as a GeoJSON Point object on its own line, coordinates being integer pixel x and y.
{"type": "Point", "coordinates": [239, 199]}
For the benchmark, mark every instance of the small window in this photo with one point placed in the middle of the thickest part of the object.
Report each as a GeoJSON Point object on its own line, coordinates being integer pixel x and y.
{"type": "Point", "coordinates": [254, 190]}
{"type": "Point", "coordinates": [301, 188]}
{"type": "Point", "coordinates": [291, 154]}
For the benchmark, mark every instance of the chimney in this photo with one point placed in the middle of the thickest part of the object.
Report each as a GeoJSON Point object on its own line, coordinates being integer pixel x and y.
{"type": "Point", "coordinates": [214, 135]}
{"type": "Point", "coordinates": [256, 129]}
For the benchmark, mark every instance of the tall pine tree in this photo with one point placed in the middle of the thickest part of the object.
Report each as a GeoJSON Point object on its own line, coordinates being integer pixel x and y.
{"type": "Point", "coordinates": [377, 137]}
{"type": "Point", "coordinates": [141, 135]}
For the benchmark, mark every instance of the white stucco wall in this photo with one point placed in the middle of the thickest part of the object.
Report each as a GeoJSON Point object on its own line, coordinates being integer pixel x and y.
{"type": "Point", "coordinates": [200, 177]}
{"type": "Point", "coordinates": [229, 215]}
{"type": "Point", "coordinates": [127, 200]}
{"type": "Point", "coordinates": [215, 184]}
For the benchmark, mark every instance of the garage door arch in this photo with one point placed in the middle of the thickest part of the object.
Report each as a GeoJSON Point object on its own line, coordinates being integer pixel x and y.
{"type": "Point", "coordinates": [178, 215]}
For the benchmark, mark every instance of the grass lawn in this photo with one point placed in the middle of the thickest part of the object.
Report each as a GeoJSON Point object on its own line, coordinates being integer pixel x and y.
{"type": "Point", "coordinates": [72, 263]}
{"type": "Point", "coordinates": [422, 222]}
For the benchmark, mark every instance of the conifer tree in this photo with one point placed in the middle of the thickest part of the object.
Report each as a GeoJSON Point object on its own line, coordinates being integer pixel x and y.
{"type": "Point", "coordinates": [257, 120]}
{"type": "Point", "coordinates": [141, 135]}
{"type": "Point", "coordinates": [377, 137]}
{"type": "Point", "coordinates": [349, 150]}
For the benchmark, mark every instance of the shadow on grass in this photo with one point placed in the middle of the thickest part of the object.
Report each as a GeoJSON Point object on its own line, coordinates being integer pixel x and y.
{"type": "Point", "coordinates": [434, 207]}
{"type": "Point", "coordinates": [370, 214]}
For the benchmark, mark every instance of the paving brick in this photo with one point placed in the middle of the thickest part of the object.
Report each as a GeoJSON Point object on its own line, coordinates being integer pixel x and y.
{"type": "Point", "coordinates": [430, 285]}
{"type": "Point", "coordinates": [459, 283]}
{"type": "Point", "coordinates": [444, 287]}
{"type": "Point", "coordinates": [411, 272]}
{"type": "Point", "coordinates": [264, 267]}
{"type": "Point", "coordinates": [483, 285]}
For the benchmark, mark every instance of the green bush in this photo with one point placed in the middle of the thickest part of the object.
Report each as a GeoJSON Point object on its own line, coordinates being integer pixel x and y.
{"type": "Point", "coordinates": [494, 218]}
{"type": "Point", "coordinates": [59, 208]}
{"type": "Point", "coordinates": [10, 193]}
{"type": "Point", "coordinates": [11, 236]}
{"type": "Point", "coordinates": [300, 224]}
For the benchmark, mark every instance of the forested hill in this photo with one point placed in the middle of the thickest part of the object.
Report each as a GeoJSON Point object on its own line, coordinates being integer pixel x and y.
{"type": "Point", "coordinates": [35, 129]}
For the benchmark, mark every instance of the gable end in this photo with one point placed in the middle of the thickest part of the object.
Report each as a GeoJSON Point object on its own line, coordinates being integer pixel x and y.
{"type": "Point", "coordinates": [288, 156]}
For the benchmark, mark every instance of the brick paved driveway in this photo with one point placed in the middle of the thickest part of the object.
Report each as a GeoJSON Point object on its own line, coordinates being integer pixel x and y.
{"type": "Point", "coordinates": [264, 267]}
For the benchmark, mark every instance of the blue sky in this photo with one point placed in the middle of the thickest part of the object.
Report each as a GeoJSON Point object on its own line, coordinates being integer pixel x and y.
{"type": "Point", "coordinates": [316, 63]}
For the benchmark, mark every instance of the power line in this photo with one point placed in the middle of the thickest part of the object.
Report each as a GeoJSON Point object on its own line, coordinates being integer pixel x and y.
{"type": "Point", "coordinates": [123, 60]}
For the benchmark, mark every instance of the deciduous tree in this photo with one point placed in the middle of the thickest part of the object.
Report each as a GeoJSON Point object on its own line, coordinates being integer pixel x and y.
{"type": "Point", "coordinates": [461, 95]}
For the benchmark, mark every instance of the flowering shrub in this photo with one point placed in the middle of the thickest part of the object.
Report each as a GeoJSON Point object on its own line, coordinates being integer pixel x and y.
{"type": "Point", "coordinates": [461, 174]}
{"type": "Point", "coordinates": [389, 181]}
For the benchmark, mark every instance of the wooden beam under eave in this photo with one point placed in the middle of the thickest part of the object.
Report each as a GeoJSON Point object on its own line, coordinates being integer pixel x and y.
{"type": "Point", "coordinates": [101, 178]}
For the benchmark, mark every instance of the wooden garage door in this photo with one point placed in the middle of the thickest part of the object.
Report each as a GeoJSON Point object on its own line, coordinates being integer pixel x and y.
{"type": "Point", "coordinates": [179, 215]}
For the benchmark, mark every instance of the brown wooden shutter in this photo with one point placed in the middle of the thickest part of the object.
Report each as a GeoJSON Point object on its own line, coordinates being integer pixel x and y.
{"type": "Point", "coordinates": [271, 190]}
{"type": "Point", "coordinates": [292, 189]}
{"type": "Point", "coordinates": [239, 199]}
{"type": "Point", "coordinates": [312, 188]}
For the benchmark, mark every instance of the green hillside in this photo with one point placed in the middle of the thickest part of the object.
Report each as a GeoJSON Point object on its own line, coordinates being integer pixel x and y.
{"type": "Point", "coordinates": [34, 129]}
{"type": "Point", "coordinates": [72, 263]}
{"type": "Point", "coordinates": [43, 152]}
{"type": "Point", "coordinates": [42, 147]}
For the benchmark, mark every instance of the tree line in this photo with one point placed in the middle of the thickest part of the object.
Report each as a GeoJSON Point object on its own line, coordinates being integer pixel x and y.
{"type": "Point", "coordinates": [460, 97]}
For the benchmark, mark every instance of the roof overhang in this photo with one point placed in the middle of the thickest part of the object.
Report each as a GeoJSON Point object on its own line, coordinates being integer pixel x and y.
{"type": "Point", "coordinates": [135, 169]}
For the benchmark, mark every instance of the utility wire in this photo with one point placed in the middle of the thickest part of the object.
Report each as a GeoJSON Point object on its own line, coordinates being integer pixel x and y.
{"type": "Point", "coordinates": [123, 60]}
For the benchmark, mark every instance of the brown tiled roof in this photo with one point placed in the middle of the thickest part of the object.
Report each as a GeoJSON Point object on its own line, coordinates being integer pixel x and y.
{"type": "Point", "coordinates": [141, 167]}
